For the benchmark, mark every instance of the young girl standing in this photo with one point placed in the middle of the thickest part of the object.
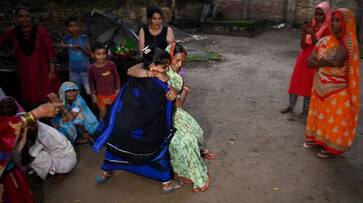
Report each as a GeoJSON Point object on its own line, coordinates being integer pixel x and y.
{"type": "Point", "coordinates": [302, 76]}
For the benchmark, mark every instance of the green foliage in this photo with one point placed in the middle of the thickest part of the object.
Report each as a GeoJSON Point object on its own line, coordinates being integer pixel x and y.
{"type": "Point", "coordinates": [209, 56]}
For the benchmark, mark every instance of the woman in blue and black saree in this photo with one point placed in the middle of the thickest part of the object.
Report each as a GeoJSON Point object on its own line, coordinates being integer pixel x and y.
{"type": "Point", "coordinates": [138, 128]}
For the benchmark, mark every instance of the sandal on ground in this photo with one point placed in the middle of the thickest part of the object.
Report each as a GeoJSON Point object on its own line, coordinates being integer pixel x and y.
{"type": "Point", "coordinates": [171, 186]}
{"type": "Point", "coordinates": [324, 154]}
{"type": "Point", "coordinates": [286, 110]}
{"type": "Point", "coordinates": [309, 145]}
{"type": "Point", "coordinates": [100, 179]}
{"type": "Point", "coordinates": [206, 154]}
{"type": "Point", "coordinates": [205, 186]}
{"type": "Point", "coordinates": [185, 180]}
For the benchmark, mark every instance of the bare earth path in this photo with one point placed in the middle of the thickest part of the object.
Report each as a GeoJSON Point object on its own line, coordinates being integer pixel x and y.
{"type": "Point", "coordinates": [260, 157]}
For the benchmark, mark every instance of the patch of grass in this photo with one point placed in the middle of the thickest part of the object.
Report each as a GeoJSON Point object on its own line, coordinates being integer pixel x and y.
{"type": "Point", "coordinates": [210, 56]}
{"type": "Point", "coordinates": [214, 56]}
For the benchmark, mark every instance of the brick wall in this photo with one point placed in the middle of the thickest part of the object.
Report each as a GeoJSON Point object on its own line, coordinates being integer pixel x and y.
{"type": "Point", "coordinates": [278, 10]}
{"type": "Point", "coordinates": [188, 12]}
{"type": "Point", "coordinates": [260, 9]}
{"type": "Point", "coordinates": [273, 9]}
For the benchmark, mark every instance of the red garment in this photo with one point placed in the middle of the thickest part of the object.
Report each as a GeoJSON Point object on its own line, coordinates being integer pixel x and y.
{"type": "Point", "coordinates": [301, 81]}
{"type": "Point", "coordinates": [34, 68]}
{"type": "Point", "coordinates": [103, 80]}
{"type": "Point", "coordinates": [14, 189]}
{"type": "Point", "coordinates": [302, 77]}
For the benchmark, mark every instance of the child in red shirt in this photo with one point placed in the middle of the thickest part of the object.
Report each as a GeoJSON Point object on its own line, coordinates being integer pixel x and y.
{"type": "Point", "coordinates": [104, 80]}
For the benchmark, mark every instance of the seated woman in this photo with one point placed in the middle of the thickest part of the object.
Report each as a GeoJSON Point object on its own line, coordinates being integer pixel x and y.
{"type": "Point", "coordinates": [75, 116]}
{"type": "Point", "coordinates": [12, 139]}
{"type": "Point", "coordinates": [184, 150]}
{"type": "Point", "coordinates": [185, 154]}
{"type": "Point", "coordinates": [138, 129]}
{"type": "Point", "coordinates": [52, 152]}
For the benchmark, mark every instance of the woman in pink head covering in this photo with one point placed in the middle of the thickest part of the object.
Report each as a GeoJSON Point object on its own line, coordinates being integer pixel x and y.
{"type": "Point", "coordinates": [302, 77]}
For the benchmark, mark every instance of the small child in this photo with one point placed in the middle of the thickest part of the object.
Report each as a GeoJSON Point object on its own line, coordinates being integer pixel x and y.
{"type": "Point", "coordinates": [78, 52]}
{"type": "Point", "coordinates": [104, 80]}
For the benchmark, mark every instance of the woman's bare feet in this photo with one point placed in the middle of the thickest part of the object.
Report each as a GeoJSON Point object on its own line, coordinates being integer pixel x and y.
{"type": "Point", "coordinates": [206, 154]}
{"type": "Point", "coordinates": [204, 188]}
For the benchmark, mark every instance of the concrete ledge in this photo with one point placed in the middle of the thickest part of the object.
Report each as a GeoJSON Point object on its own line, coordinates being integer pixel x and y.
{"type": "Point", "coordinates": [242, 27]}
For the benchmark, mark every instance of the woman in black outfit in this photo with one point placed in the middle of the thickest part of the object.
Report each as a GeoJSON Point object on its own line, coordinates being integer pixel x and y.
{"type": "Point", "coordinates": [155, 34]}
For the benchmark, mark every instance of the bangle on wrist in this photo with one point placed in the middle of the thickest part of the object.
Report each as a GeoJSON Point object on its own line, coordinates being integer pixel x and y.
{"type": "Point", "coordinates": [28, 118]}
{"type": "Point", "coordinates": [186, 88]}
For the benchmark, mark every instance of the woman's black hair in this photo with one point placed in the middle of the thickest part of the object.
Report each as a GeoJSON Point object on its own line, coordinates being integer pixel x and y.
{"type": "Point", "coordinates": [156, 55]}
{"type": "Point", "coordinates": [152, 10]}
{"type": "Point", "coordinates": [70, 19]}
{"type": "Point", "coordinates": [8, 107]}
{"type": "Point", "coordinates": [97, 45]}
{"type": "Point", "coordinates": [179, 49]}
{"type": "Point", "coordinates": [160, 57]}
{"type": "Point", "coordinates": [19, 8]}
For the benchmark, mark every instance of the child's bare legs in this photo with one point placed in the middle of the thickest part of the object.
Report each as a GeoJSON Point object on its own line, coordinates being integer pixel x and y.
{"type": "Point", "coordinates": [103, 111]}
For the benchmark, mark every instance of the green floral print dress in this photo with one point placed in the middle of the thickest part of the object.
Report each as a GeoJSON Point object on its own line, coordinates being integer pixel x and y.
{"type": "Point", "coordinates": [184, 147]}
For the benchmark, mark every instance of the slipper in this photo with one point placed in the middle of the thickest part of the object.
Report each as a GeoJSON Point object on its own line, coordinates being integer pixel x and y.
{"type": "Point", "coordinates": [174, 186]}
{"type": "Point", "coordinates": [100, 179]}
{"type": "Point", "coordinates": [206, 154]}
{"type": "Point", "coordinates": [286, 110]}
{"type": "Point", "coordinates": [309, 145]}
{"type": "Point", "coordinates": [324, 155]}
{"type": "Point", "coordinates": [185, 180]}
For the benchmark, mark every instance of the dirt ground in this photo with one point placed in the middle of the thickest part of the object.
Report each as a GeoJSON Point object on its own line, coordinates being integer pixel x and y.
{"type": "Point", "coordinates": [260, 157]}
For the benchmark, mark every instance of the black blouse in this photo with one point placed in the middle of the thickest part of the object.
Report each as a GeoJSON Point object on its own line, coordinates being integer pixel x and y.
{"type": "Point", "coordinates": [156, 40]}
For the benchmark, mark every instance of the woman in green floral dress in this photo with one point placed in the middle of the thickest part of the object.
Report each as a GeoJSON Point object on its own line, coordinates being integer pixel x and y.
{"type": "Point", "coordinates": [185, 154]}
{"type": "Point", "coordinates": [184, 149]}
